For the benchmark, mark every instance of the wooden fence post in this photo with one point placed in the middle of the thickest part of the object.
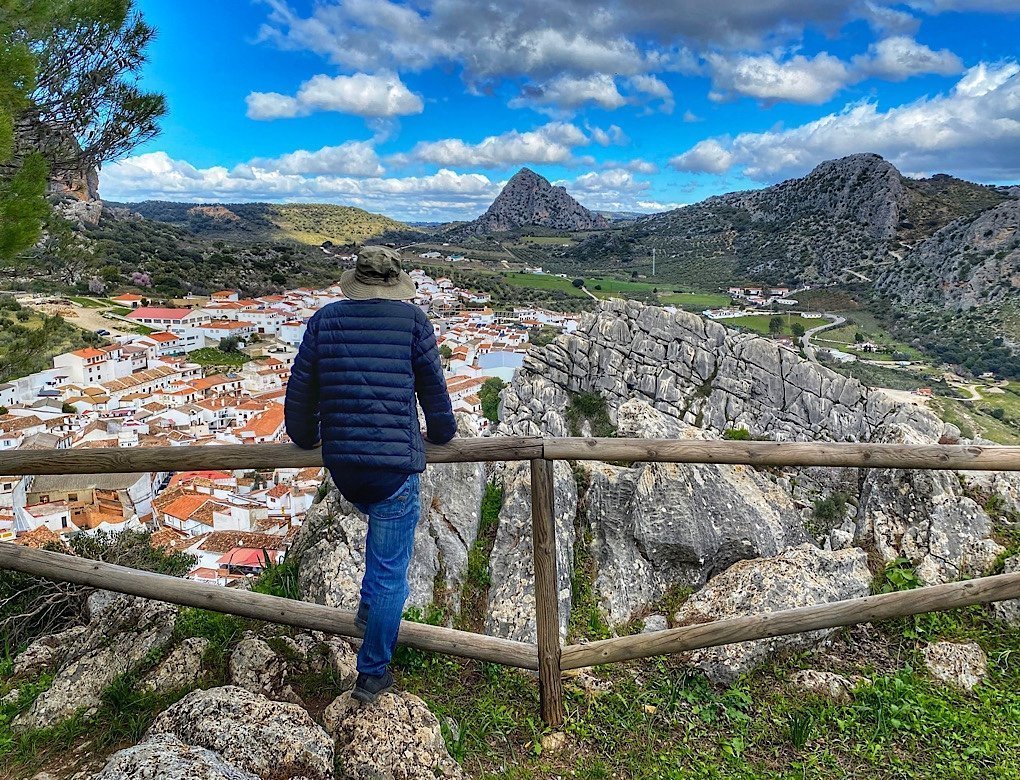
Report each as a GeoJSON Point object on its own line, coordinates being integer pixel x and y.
{"type": "Point", "coordinates": [543, 535]}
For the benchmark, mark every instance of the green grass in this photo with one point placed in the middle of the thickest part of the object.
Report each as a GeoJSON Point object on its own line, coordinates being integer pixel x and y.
{"type": "Point", "coordinates": [478, 579]}
{"type": "Point", "coordinates": [544, 282]}
{"type": "Point", "coordinates": [89, 303]}
{"type": "Point", "coordinates": [212, 356]}
{"type": "Point", "coordinates": [120, 311]}
{"type": "Point", "coordinates": [973, 422]}
{"type": "Point", "coordinates": [695, 301]}
{"type": "Point", "coordinates": [759, 323]}
{"type": "Point", "coordinates": [658, 719]}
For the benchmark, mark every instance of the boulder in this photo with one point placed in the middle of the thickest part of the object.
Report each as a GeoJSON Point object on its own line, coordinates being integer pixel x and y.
{"type": "Point", "coordinates": [511, 609]}
{"type": "Point", "coordinates": [331, 543]}
{"type": "Point", "coordinates": [164, 757]}
{"type": "Point", "coordinates": [396, 738]}
{"type": "Point", "coordinates": [256, 667]}
{"type": "Point", "coordinates": [960, 664]}
{"type": "Point", "coordinates": [47, 652]}
{"type": "Point", "coordinates": [827, 685]}
{"type": "Point", "coordinates": [797, 578]}
{"type": "Point", "coordinates": [182, 668]}
{"type": "Point", "coordinates": [654, 623]}
{"type": "Point", "coordinates": [268, 739]}
{"type": "Point", "coordinates": [121, 631]}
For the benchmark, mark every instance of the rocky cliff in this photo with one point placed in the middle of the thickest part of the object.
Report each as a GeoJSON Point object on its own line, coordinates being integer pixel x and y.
{"type": "Point", "coordinates": [973, 261]}
{"type": "Point", "coordinates": [529, 199]}
{"type": "Point", "coordinates": [657, 527]}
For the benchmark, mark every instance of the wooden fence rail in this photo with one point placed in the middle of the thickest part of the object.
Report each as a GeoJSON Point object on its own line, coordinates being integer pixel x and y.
{"type": "Point", "coordinates": [549, 658]}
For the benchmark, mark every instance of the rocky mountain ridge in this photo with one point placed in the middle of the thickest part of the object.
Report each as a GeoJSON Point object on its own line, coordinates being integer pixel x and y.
{"type": "Point", "coordinates": [529, 199]}
{"type": "Point", "coordinates": [857, 211]}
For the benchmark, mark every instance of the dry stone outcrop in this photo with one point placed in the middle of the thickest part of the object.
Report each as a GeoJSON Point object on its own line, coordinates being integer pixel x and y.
{"type": "Point", "coordinates": [121, 631]}
{"type": "Point", "coordinates": [182, 668]}
{"type": "Point", "coordinates": [798, 578]}
{"type": "Point", "coordinates": [268, 739]}
{"type": "Point", "coordinates": [661, 525]}
{"type": "Point", "coordinates": [674, 374]}
{"type": "Point", "coordinates": [511, 610]}
{"type": "Point", "coordinates": [331, 543]}
{"type": "Point", "coordinates": [1009, 611]}
{"type": "Point", "coordinates": [164, 757]}
{"type": "Point", "coordinates": [396, 738]}
{"type": "Point", "coordinates": [960, 664]}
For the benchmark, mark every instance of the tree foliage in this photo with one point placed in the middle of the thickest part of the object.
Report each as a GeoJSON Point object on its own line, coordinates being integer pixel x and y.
{"type": "Point", "coordinates": [489, 396]}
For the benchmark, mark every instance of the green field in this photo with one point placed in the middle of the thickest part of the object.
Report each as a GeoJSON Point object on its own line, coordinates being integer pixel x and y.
{"type": "Point", "coordinates": [759, 323]}
{"type": "Point", "coordinates": [695, 301]}
{"type": "Point", "coordinates": [544, 282]}
{"type": "Point", "coordinates": [973, 421]}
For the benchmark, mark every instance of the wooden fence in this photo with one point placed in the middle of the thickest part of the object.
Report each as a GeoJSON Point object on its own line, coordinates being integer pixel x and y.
{"type": "Point", "coordinates": [548, 656]}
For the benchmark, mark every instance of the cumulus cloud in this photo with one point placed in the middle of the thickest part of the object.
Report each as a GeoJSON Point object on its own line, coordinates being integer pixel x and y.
{"type": "Point", "coordinates": [611, 136]}
{"type": "Point", "coordinates": [798, 79]}
{"type": "Point", "coordinates": [353, 158]}
{"type": "Point", "coordinates": [609, 190]}
{"type": "Point", "coordinates": [377, 95]}
{"type": "Point", "coordinates": [654, 87]}
{"type": "Point", "coordinates": [568, 93]}
{"type": "Point", "coordinates": [900, 57]}
{"type": "Point", "coordinates": [551, 143]}
{"type": "Point", "coordinates": [445, 194]}
{"type": "Point", "coordinates": [973, 131]}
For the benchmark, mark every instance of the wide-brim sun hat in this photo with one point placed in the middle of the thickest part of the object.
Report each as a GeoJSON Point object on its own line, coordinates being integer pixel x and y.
{"type": "Point", "coordinates": [378, 274]}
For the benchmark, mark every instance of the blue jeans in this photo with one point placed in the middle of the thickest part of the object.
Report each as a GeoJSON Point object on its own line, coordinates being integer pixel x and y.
{"type": "Point", "coordinates": [388, 546]}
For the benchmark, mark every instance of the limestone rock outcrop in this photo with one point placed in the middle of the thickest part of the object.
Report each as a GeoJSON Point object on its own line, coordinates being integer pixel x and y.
{"type": "Point", "coordinates": [798, 578]}
{"type": "Point", "coordinates": [960, 664]}
{"type": "Point", "coordinates": [121, 631]}
{"type": "Point", "coordinates": [396, 738]}
{"type": "Point", "coordinates": [182, 668]}
{"type": "Point", "coordinates": [511, 608]}
{"type": "Point", "coordinates": [268, 739]}
{"type": "Point", "coordinates": [529, 199]}
{"type": "Point", "coordinates": [164, 757]}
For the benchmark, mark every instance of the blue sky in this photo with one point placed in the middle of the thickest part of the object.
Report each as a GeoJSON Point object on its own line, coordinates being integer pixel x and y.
{"type": "Point", "coordinates": [421, 110]}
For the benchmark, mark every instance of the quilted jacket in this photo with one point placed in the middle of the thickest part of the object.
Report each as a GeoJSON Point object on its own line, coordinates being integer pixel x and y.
{"type": "Point", "coordinates": [354, 382]}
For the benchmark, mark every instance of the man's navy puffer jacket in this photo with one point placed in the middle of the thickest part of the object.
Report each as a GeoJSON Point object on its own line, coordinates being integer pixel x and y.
{"type": "Point", "coordinates": [354, 382]}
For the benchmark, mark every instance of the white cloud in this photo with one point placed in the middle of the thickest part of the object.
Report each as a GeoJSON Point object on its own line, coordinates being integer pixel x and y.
{"type": "Point", "coordinates": [798, 79]}
{"type": "Point", "coordinates": [568, 93]}
{"type": "Point", "coordinates": [353, 158]}
{"type": "Point", "coordinates": [972, 131]}
{"type": "Point", "coordinates": [690, 116]}
{"type": "Point", "coordinates": [378, 95]}
{"type": "Point", "coordinates": [890, 21]}
{"type": "Point", "coordinates": [445, 194]}
{"type": "Point", "coordinates": [551, 143]}
{"type": "Point", "coordinates": [606, 182]}
{"type": "Point", "coordinates": [637, 165]}
{"type": "Point", "coordinates": [654, 87]}
{"type": "Point", "coordinates": [611, 136]}
{"type": "Point", "coordinates": [900, 57]}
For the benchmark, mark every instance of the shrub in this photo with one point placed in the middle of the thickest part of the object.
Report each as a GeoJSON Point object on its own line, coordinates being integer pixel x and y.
{"type": "Point", "coordinates": [737, 434]}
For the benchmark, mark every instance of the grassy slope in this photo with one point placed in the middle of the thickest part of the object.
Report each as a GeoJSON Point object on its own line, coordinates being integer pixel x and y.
{"type": "Point", "coordinates": [29, 339]}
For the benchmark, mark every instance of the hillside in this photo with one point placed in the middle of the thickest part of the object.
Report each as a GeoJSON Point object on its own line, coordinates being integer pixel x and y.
{"type": "Point", "coordinates": [179, 261]}
{"type": "Point", "coordinates": [309, 223]}
{"type": "Point", "coordinates": [847, 215]}
{"type": "Point", "coordinates": [529, 199]}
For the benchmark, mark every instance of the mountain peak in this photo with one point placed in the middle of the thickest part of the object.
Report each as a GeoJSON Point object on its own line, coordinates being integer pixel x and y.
{"type": "Point", "coordinates": [529, 199]}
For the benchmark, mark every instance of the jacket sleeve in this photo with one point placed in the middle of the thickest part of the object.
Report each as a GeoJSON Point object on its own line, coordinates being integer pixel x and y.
{"type": "Point", "coordinates": [301, 408]}
{"type": "Point", "coordinates": [430, 385]}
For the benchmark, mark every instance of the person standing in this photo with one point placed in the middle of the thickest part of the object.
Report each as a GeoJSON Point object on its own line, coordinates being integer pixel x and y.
{"type": "Point", "coordinates": [363, 367]}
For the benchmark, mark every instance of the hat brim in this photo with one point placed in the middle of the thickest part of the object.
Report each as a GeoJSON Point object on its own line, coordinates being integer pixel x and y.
{"type": "Point", "coordinates": [403, 290]}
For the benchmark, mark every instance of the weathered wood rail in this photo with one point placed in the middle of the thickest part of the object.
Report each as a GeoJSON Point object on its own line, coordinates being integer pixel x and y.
{"type": "Point", "coordinates": [548, 657]}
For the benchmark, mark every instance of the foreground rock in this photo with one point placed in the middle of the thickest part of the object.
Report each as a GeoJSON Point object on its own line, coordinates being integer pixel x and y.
{"type": "Point", "coordinates": [164, 757]}
{"type": "Point", "coordinates": [827, 685]}
{"type": "Point", "coordinates": [182, 668]}
{"type": "Point", "coordinates": [797, 578]}
{"type": "Point", "coordinates": [511, 611]}
{"type": "Point", "coordinates": [658, 526]}
{"type": "Point", "coordinates": [265, 738]}
{"type": "Point", "coordinates": [331, 543]}
{"type": "Point", "coordinates": [256, 667]}
{"type": "Point", "coordinates": [121, 631]}
{"type": "Point", "coordinates": [962, 665]}
{"type": "Point", "coordinates": [397, 738]}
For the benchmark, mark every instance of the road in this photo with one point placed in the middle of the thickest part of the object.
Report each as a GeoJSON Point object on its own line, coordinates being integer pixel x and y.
{"type": "Point", "coordinates": [805, 340]}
